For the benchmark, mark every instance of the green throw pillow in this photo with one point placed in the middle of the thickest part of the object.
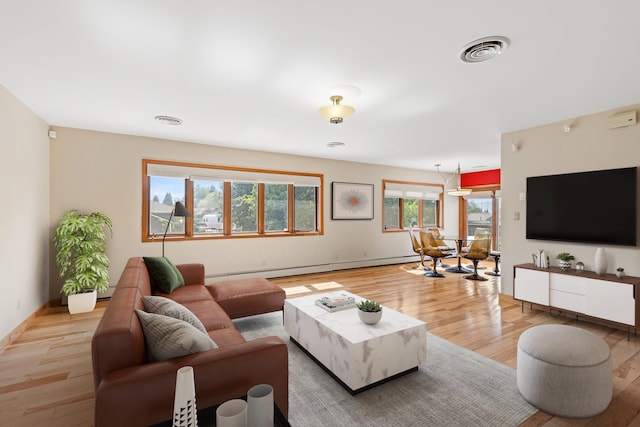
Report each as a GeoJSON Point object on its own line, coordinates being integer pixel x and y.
{"type": "Point", "coordinates": [164, 275]}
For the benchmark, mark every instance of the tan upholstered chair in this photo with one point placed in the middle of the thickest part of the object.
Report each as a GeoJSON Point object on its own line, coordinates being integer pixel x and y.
{"type": "Point", "coordinates": [478, 251]}
{"type": "Point", "coordinates": [431, 248]}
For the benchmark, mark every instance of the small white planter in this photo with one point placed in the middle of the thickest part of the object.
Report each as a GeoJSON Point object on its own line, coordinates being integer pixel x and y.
{"type": "Point", "coordinates": [370, 317]}
{"type": "Point", "coordinates": [82, 303]}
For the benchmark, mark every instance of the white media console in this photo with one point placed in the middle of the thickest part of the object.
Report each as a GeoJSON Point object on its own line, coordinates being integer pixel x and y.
{"type": "Point", "coordinates": [585, 293]}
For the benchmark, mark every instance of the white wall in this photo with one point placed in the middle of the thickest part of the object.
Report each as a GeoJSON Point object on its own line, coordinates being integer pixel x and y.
{"type": "Point", "coordinates": [547, 150]}
{"type": "Point", "coordinates": [24, 216]}
{"type": "Point", "coordinates": [94, 171]}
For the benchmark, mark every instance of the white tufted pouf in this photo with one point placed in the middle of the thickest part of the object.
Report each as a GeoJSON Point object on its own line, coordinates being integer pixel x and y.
{"type": "Point", "coordinates": [565, 371]}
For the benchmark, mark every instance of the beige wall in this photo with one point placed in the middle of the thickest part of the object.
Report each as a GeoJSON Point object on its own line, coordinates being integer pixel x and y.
{"type": "Point", "coordinates": [94, 171]}
{"type": "Point", "coordinates": [546, 150]}
{"type": "Point", "coordinates": [24, 248]}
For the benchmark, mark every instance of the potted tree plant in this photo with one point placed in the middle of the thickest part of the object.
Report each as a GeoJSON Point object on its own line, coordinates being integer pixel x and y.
{"type": "Point", "coordinates": [80, 242]}
{"type": "Point", "coordinates": [370, 312]}
{"type": "Point", "coordinates": [565, 259]}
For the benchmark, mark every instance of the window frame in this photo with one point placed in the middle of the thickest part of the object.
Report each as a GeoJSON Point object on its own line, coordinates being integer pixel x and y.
{"type": "Point", "coordinates": [227, 220]}
{"type": "Point", "coordinates": [401, 227]}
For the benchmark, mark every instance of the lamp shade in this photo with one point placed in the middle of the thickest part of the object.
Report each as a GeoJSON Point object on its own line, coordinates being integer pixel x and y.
{"type": "Point", "coordinates": [336, 111]}
{"type": "Point", "coordinates": [180, 210]}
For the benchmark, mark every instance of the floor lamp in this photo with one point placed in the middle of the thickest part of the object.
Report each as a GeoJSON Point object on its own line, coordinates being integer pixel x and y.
{"type": "Point", "coordinates": [179, 210]}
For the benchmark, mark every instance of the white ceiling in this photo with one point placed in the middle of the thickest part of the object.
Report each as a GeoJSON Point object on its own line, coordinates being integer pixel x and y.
{"type": "Point", "coordinates": [253, 73]}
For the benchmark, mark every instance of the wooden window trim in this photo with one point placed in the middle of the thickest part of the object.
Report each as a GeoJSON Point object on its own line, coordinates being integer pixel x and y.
{"type": "Point", "coordinates": [439, 205]}
{"type": "Point", "coordinates": [227, 232]}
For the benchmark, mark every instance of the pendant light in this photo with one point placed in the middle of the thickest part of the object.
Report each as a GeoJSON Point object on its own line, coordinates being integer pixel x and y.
{"type": "Point", "coordinates": [458, 191]}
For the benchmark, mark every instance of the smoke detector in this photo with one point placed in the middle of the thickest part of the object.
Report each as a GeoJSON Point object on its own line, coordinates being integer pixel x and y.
{"type": "Point", "coordinates": [484, 49]}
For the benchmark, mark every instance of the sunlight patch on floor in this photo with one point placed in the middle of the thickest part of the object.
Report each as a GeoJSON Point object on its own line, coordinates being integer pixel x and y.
{"type": "Point", "coordinates": [327, 285]}
{"type": "Point", "coordinates": [295, 290]}
{"type": "Point", "coordinates": [416, 271]}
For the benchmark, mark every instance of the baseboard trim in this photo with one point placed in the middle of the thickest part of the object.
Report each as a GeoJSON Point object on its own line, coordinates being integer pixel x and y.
{"type": "Point", "coordinates": [309, 269]}
{"type": "Point", "coordinates": [18, 330]}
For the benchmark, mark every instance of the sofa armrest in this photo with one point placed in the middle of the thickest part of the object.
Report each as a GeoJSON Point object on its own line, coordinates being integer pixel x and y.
{"type": "Point", "coordinates": [144, 395]}
{"type": "Point", "coordinates": [193, 274]}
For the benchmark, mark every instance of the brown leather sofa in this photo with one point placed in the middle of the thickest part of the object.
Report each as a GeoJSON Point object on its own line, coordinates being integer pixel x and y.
{"type": "Point", "coordinates": [132, 390]}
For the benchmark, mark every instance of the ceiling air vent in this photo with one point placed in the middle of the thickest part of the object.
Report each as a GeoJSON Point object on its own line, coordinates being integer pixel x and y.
{"type": "Point", "coordinates": [484, 49]}
{"type": "Point", "coordinates": [168, 120]}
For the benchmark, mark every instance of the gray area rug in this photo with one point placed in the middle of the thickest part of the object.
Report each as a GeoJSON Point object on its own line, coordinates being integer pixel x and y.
{"type": "Point", "coordinates": [455, 387]}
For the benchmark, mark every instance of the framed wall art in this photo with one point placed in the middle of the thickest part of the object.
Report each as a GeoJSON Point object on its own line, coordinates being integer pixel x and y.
{"type": "Point", "coordinates": [351, 201]}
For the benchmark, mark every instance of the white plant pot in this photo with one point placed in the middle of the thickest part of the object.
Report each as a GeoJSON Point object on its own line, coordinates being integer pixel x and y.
{"type": "Point", "coordinates": [370, 317]}
{"type": "Point", "coordinates": [82, 303]}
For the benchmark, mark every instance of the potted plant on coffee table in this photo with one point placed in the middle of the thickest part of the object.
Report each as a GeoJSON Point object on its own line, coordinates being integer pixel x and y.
{"type": "Point", "coordinates": [369, 311]}
{"type": "Point", "coordinates": [80, 242]}
{"type": "Point", "coordinates": [564, 260]}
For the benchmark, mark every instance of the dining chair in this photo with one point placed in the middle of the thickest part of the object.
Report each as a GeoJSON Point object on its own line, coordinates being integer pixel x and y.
{"type": "Point", "coordinates": [431, 249]}
{"type": "Point", "coordinates": [417, 248]}
{"type": "Point", "coordinates": [478, 251]}
{"type": "Point", "coordinates": [442, 245]}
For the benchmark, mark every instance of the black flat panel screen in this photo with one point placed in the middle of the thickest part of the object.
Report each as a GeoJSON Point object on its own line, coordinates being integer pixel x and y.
{"type": "Point", "coordinates": [588, 207]}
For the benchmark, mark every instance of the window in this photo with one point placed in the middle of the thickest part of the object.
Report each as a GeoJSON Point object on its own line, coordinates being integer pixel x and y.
{"type": "Point", "coordinates": [208, 206]}
{"type": "Point", "coordinates": [482, 210]}
{"type": "Point", "coordinates": [164, 192]}
{"type": "Point", "coordinates": [411, 205]}
{"type": "Point", "coordinates": [229, 202]}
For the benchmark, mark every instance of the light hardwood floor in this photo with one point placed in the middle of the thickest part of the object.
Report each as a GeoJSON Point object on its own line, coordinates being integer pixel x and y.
{"type": "Point", "coordinates": [46, 378]}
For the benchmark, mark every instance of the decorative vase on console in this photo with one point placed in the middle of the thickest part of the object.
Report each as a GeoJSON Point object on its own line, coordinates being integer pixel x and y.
{"type": "Point", "coordinates": [600, 262]}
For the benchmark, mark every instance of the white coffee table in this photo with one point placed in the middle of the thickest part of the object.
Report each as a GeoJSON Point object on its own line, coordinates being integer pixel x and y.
{"type": "Point", "coordinates": [359, 356]}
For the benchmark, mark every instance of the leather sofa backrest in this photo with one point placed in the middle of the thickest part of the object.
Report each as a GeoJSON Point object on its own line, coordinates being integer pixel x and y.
{"type": "Point", "coordinates": [118, 341]}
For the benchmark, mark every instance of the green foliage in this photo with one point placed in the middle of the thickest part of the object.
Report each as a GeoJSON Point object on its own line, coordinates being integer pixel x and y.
{"type": "Point", "coordinates": [565, 256]}
{"type": "Point", "coordinates": [80, 242]}
{"type": "Point", "coordinates": [620, 269]}
{"type": "Point", "coordinates": [369, 306]}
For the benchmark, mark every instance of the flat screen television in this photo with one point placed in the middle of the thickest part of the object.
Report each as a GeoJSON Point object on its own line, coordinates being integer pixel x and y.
{"type": "Point", "coordinates": [587, 207]}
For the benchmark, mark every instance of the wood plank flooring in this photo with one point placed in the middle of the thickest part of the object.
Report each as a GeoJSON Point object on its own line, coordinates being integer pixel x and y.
{"type": "Point", "coordinates": [46, 377]}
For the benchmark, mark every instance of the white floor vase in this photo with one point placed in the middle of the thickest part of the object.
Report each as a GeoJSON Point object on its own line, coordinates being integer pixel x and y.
{"type": "Point", "coordinates": [185, 413]}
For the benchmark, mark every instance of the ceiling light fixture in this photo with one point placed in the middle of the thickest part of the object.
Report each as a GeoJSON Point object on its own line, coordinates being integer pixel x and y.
{"type": "Point", "coordinates": [484, 49]}
{"type": "Point", "coordinates": [336, 112]}
{"type": "Point", "coordinates": [458, 191]}
{"type": "Point", "coordinates": [168, 120]}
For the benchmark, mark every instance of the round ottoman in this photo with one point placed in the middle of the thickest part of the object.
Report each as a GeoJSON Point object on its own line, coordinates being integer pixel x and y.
{"type": "Point", "coordinates": [564, 371]}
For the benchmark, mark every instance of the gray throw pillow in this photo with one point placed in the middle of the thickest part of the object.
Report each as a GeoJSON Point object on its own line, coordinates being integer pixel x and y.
{"type": "Point", "coordinates": [168, 307]}
{"type": "Point", "coordinates": [168, 337]}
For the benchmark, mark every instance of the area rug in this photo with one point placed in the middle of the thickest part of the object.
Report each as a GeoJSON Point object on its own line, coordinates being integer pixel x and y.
{"type": "Point", "coordinates": [454, 387]}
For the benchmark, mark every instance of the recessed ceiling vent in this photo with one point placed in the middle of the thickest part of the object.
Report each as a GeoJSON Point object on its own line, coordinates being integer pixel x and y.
{"type": "Point", "coordinates": [484, 49]}
{"type": "Point", "coordinates": [168, 120]}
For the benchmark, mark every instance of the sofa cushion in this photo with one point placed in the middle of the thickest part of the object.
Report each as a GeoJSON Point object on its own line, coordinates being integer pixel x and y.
{"type": "Point", "coordinates": [210, 314]}
{"type": "Point", "coordinates": [168, 337]}
{"type": "Point", "coordinates": [163, 274]}
{"type": "Point", "coordinates": [167, 307]}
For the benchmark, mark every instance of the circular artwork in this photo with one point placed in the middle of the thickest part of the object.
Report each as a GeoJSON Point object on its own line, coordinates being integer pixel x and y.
{"type": "Point", "coordinates": [352, 201]}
